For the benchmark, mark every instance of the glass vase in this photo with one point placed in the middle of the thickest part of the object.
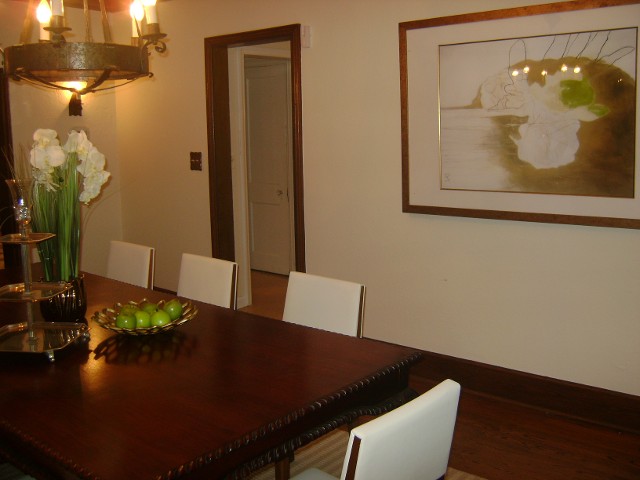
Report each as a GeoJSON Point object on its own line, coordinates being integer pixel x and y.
{"type": "Point", "coordinates": [21, 191]}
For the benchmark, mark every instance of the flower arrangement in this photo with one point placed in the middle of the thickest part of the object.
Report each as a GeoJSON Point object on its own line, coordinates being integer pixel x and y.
{"type": "Point", "coordinates": [64, 176]}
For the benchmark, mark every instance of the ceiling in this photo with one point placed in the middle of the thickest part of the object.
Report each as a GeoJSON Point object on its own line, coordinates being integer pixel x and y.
{"type": "Point", "coordinates": [111, 5]}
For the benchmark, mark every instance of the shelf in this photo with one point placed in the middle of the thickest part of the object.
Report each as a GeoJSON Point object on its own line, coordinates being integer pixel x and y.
{"type": "Point", "coordinates": [39, 291]}
{"type": "Point", "coordinates": [30, 238]}
{"type": "Point", "coordinates": [38, 337]}
{"type": "Point", "coordinates": [42, 337]}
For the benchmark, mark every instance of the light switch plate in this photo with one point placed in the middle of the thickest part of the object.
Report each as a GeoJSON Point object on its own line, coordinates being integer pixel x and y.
{"type": "Point", "coordinates": [196, 160]}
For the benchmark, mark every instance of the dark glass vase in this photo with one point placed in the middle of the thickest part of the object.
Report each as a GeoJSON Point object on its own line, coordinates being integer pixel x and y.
{"type": "Point", "coordinates": [68, 306]}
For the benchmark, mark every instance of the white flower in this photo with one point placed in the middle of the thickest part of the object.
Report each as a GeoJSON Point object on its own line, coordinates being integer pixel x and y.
{"type": "Point", "coordinates": [92, 185]}
{"type": "Point", "coordinates": [44, 137]}
{"type": "Point", "coordinates": [92, 169]}
{"type": "Point", "coordinates": [91, 163]}
{"type": "Point", "coordinates": [46, 155]}
{"type": "Point", "coordinates": [44, 178]}
{"type": "Point", "coordinates": [79, 143]}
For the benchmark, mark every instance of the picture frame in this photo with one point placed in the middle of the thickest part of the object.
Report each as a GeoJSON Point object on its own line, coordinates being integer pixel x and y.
{"type": "Point", "coordinates": [552, 145]}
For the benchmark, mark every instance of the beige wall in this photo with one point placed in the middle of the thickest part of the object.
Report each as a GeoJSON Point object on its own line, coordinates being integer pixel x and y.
{"type": "Point", "coordinates": [559, 301]}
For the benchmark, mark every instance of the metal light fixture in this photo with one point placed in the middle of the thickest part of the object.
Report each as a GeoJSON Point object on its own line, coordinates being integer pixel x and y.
{"type": "Point", "coordinates": [52, 61]}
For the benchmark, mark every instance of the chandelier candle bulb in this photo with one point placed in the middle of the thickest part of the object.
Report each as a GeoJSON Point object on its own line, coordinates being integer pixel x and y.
{"type": "Point", "coordinates": [150, 11]}
{"type": "Point", "coordinates": [136, 10]}
{"type": "Point", "coordinates": [43, 14]}
{"type": "Point", "coordinates": [57, 7]}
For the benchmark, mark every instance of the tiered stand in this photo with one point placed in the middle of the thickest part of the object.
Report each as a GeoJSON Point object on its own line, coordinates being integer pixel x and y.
{"type": "Point", "coordinates": [32, 336]}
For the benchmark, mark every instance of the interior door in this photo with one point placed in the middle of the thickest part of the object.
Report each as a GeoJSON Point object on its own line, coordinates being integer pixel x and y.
{"type": "Point", "coordinates": [268, 127]}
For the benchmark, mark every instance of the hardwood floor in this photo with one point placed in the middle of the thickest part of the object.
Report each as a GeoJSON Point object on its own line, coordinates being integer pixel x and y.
{"type": "Point", "coordinates": [267, 291]}
{"type": "Point", "coordinates": [501, 440]}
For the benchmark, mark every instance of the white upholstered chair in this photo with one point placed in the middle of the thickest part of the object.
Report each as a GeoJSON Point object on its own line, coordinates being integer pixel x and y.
{"type": "Point", "coordinates": [412, 442]}
{"type": "Point", "coordinates": [209, 280]}
{"type": "Point", "coordinates": [325, 303]}
{"type": "Point", "coordinates": [131, 263]}
{"type": "Point", "coordinates": [9, 472]}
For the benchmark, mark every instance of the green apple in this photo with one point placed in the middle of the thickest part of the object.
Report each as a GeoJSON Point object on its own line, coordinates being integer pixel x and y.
{"type": "Point", "coordinates": [149, 307]}
{"type": "Point", "coordinates": [128, 309]}
{"type": "Point", "coordinates": [174, 308]}
{"type": "Point", "coordinates": [125, 320]}
{"type": "Point", "coordinates": [143, 319]}
{"type": "Point", "coordinates": [160, 318]}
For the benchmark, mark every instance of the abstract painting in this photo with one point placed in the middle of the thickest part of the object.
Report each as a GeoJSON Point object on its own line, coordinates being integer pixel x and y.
{"type": "Point", "coordinates": [548, 114]}
{"type": "Point", "coordinates": [527, 113]}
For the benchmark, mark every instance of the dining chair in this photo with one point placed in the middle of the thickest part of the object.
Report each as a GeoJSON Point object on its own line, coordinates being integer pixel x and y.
{"type": "Point", "coordinates": [9, 472]}
{"type": "Point", "coordinates": [209, 280]}
{"type": "Point", "coordinates": [325, 303]}
{"type": "Point", "coordinates": [131, 263]}
{"type": "Point", "coordinates": [412, 442]}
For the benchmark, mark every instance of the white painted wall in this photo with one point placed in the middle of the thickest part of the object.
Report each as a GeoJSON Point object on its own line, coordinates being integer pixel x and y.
{"type": "Point", "coordinates": [554, 300]}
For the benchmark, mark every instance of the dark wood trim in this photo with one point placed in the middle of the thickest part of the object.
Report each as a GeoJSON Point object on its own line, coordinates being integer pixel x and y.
{"type": "Point", "coordinates": [219, 146]}
{"type": "Point", "coordinates": [218, 134]}
{"type": "Point", "coordinates": [296, 102]}
{"type": "Point", "coordinates": [353, 459]}
{"type": "Point", "coordinates": [582, 402]}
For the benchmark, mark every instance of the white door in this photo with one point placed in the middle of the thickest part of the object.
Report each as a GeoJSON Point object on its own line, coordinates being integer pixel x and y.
{"type": "Point", "coordinates": [268, 127]}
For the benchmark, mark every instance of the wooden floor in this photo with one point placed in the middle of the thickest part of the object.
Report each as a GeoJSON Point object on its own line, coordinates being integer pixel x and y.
{"type": "Point", "coordinates": [500, 440]}
{"type": "Point", "coordinates": [267, 294]}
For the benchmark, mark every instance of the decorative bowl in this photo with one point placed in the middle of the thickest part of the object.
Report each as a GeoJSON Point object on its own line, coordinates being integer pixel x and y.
{"type": "Point", "coordinates": [107, 318]}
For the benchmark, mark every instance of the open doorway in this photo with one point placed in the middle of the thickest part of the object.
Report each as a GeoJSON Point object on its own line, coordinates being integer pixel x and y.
{"type": "Point", "coordinates": [262, 166]}
{"type": "Point", "coordinates": [268, 179]}
{"type": "Point", "coordinates": [232, 237]}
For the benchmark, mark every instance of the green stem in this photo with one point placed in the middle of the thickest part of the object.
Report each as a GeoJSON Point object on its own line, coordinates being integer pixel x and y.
{"type": "Point", "coordinates": [68, 215]}
{"type": "Point", "coordinates": [44, 219]}
{"type": "Point", "coordinates": [58, 212]}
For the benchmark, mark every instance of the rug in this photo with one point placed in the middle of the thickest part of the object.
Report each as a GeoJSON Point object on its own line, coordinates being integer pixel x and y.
{"type": "Point", "coordinates": [327, 453]}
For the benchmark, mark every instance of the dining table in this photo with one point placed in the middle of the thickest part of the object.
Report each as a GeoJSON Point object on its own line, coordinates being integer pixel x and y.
{"type": "Point", "coordinates": [219, 396]}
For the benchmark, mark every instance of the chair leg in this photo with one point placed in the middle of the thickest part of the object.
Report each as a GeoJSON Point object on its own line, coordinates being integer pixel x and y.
{"type": "Point", "coordinates": [283, 471]}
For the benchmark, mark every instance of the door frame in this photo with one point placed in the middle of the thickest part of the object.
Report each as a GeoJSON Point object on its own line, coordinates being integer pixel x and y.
{"type": "Point", "coordinates": [219, 137]}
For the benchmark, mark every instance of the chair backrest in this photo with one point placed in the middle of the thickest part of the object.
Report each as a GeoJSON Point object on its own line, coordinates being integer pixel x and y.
{"type": "Point", "coordinates": [209, 280]}
{"type": "Point", "coordinates": [325, 303]}
{"type": "Point", "coordinates": [412, 442]}
{"type": "Point", "coordinates": [131, 263]}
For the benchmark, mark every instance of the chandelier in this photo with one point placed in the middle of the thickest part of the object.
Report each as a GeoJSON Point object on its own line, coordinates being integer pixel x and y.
{"type": "Point", "coordinates": [53, 62]}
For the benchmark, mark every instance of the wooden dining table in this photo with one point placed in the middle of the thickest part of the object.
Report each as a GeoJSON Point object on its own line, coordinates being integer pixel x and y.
{"type": "Point", "coordinates": [217, 397]}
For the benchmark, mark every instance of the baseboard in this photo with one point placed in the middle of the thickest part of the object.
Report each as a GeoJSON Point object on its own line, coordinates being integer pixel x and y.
{"type": "Point", "coordinates": [164, 290]}
{"type": "Point", "coordinates": [596, 405]}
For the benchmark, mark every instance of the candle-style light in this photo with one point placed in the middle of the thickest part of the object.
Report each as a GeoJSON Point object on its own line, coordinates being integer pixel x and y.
{"type": "Point", "coordinates": [43, 14]}
{"type": "Point", "coordinates": [136, 10]}
{"type": "Point", "coordinates": [53, 61]}
{"type": "Point", "coordinates": [57, 7]}
{"type": "Point", "coordinates": [150, 11]}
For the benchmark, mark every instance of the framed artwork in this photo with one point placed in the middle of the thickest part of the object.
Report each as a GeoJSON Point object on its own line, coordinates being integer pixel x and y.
{"type": "Point", "coordinates": [526, 114]}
